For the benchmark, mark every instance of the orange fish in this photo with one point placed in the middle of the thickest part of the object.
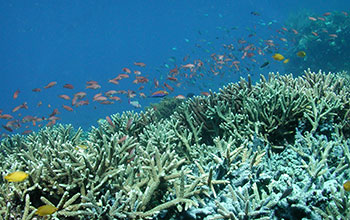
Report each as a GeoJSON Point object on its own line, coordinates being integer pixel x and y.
{"type": "Point", "coordinates": [139, 64]}
{"type": "Point", "coordinates": [140, 79]}
{"type": "Point", "coordinates": [54, 112]}
{"type": "Point", "coordinates": [36, 90]}
{"type": "Point", "coordinates": [27, 132]}
{"type": "Point", "coordinates": [68, 108]}
{"type": "Point", "coordinates": [169, 87]}
{"type": "Point", "coordinates": [295, 31]}
{"type": "Point", "coordinates": [235, 63]}
{"type": "Point", "coordinates": [109, 120]}
{"type": "Point", "coordinates": [93, 86]}
{"type": "Point", "coordinates": [122, 76]}
{"type": "Point", "coordinates": [172, 79]}
{"type": "Point", "coordinates": [100, 98]}
{"type": "Point", "coordinates": [51, 84]}
{"type": "Point", "coordinates": [16, 108]}
{"type": "Point", "coordinates": [188, 66]}
{"type": "Point", "coordinates": [180, 97]}
{"type": "Point", "coordinates": [114, 81]}
{"type": "Point", "coordinates": [90, 82]}
{"type": "Point", "coordinates": [142, 95]}
{"type": "Point", "coordinates": [127, 70]}
{"type": "Point", "coordinates": [282, 39]}
{"type": "Point", "coordinates": [6, 116]}
{"type": "Point", "coordinates": [159, 94]}
{"type": "Point", "coordinates": [121, 140]}
{"type": "Point", "coordinates": [65, 97]}
{"type": "Point", "coordinates": [312, 19]}
{"type": "Point", "coordinates": [68, 86]}
{"type": "Point", "coordinates": [15, 95]}
{"type": "Point", "coordinates": [129, 123]}
{"type": "Point", "coordinates": [327, 14]}
{"type": "Point", "coordinates": [115, 98]}
{"type": "Point", "coordinates": [80, 95]}
{"type": "Point", "coordinates": [110, 92]}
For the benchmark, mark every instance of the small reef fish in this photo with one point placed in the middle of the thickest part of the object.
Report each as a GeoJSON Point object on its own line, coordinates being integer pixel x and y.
{"type": "Point", "coordinates": [6, 116]}
{"type": "Point", "coordinates": [136, 104]}
{"type": "Point", "coordinates": [51, 84]}
{"type": "Point", "coordinates": [65, 97]}
{"type": "Point", "coordinates": [286, 60]}
{"type": "Point", "coordinates": [159, 94]}
{"type": "Point", "coordinates": [110, 122]}
{"type": "Point", "coordinates": [91, 82]}
{"type": "Point", "coordinates": [255, 13]}
{"type": "Point", "coordinates": [140, 64]}
{"type": "Point", "coordinates": [205, 93]}
{"type": "Point", "coordinates": [174, 79]}
{"type": "Point", "coordinates": [121, 140]}
{"type": "Point", "coordinates": [180, 97]}
{"type": "Point", "coordinates": [169, 87]}
{"type": "Point", "coordinates": [68, 108]}
{"type": "Point", "coordinates": [346, 186]}
{"type": "Point", "coordinates": [15, 95]}
{"type": "Point", "coordinates": [36, 90]}
{"type": "Point", "coordinates": [312, 18]}
{"type": "Point", "coordinates": [301, 54]}
{"type": "Point", "coordinates": [17, 176]}
{"type": "Point", "coordinates": [129, 123]}
{"type": "Point", "coordinates": [81, 146]}
{"type": "Point", "coordinates": [126, 70]}
{"type": "Point", "coordinates": [45, 210]}
{"type": "Point", "coordinates": [278, 57]}
{"type": "Point", "coordinates": [295, 31]}
{"type": "Point", "coordinates": [265, 64]}
{"type": "Point", "coordinates": [93, 86]}
{"type": "Point", "coordinates": [7, 128]}
{"type": "Point", "coordinates": [68, 86]}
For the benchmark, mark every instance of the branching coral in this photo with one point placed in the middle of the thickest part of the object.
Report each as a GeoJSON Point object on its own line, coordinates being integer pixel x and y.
{"type": "Point", "coordinates": [275, 149]}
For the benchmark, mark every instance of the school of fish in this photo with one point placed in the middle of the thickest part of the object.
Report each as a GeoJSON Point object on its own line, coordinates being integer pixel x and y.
{"type": "Point", "coordinates": [239, 57]}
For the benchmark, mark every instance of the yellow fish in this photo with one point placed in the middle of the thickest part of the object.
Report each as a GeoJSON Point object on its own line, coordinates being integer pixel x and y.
{"type": "Point", "coordinates": [81, 146]}
{"type": "Point", "coordinates": [17, 176]}
{"type": "Point", "coordinates": [346, 186]}
{"type": "Point", "coordinates": [46, 210]}
{"type": "Point", "coordinates": [286, 60]}
{"type": "Point", "coordinates": [301, 54]}
{"type": "Point", "coordinates": [278, 56]}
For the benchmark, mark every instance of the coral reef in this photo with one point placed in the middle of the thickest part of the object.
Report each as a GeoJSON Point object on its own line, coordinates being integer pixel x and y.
{"type": "Point", "coordinates": [327, 33]}
{"type": "Point", "coordinates": [276, 149]}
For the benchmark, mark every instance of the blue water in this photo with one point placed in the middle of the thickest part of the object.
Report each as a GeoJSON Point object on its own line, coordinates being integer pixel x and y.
{"type": "Point", "coordinates": [76, 41]}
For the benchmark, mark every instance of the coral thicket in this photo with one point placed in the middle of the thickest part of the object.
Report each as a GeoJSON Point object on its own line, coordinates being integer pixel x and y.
{"type": "Point", "coordinates": [271, 150]}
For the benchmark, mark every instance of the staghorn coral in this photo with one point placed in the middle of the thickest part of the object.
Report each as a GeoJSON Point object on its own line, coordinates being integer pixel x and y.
{"type": "Point", "coordinates": [276, 149]}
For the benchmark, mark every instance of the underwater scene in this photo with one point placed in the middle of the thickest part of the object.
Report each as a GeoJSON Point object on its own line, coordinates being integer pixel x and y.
{"type": "Point", "coordinates": [186, 110]}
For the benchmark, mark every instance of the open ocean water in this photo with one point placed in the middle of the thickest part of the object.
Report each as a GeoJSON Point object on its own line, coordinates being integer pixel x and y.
{"type": "Point", "coordinates": [179, 48]}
